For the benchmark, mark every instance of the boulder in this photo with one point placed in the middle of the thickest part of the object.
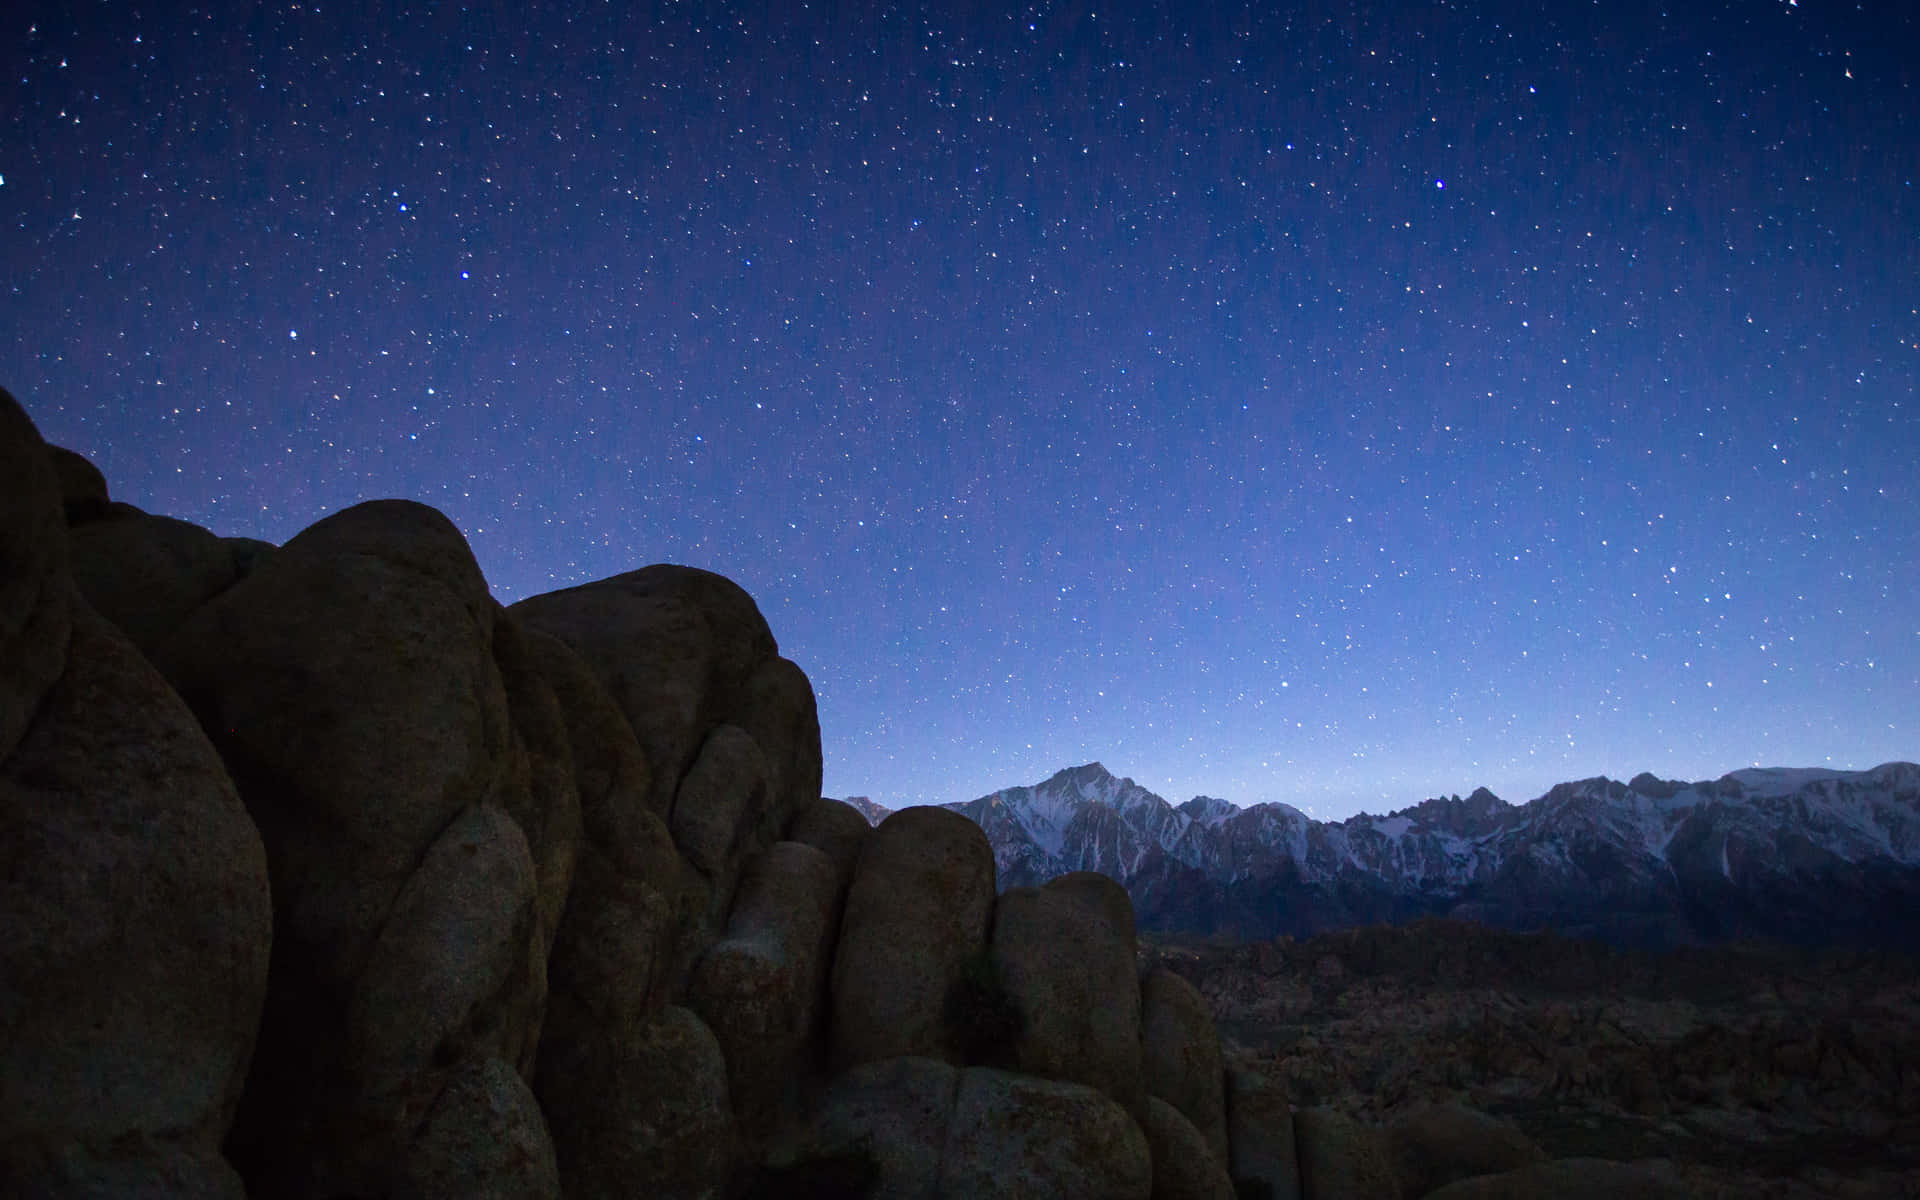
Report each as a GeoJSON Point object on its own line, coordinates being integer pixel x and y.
{"type": "Point", "coordinates": [1341, 1159]}
{"type": "Point", "coordinates": [1436, 1144]}
{"type": "Point", "coordinates": [776, 706]}
{"type": "Point", "coordinates": [891, 1115]}
{"type": "Point", "coordinates": [35, 592]}
{"type": "Point", "coordinates": [135, 927]}
{"type": "Point", "coordinates": [610, 771]}
{"type": "Point", "coordinates": [1260, 1134]}
{"type": "Point", "coordinates": [350, 685]}
{"type": "Point", "coordinates": [1570, 1179]}
{"type": "Point", "coordinates": [538, 790]}
{"type": "Point", "coordinates": [1018, 1136]}
{"type": "Point", "coordinates": [147, 574]}
{"type": "Point", "coordinates": [484, 1139]}
{"type": "Point", "coordinates": [835, 827]}
{"type": "Point", "coordinates": [916, 913]}
{"type": "Point", "coordinates": [675, 647]}
{"type": "Point", "coordinates": [441, 981]}
{"type": "Point", "coordinates": [1184, 1166]}
{"type": "Point", "coordinates": [1066, 957]}
{"type": "Point", "coordinates": [644, 1107]}
{"type": "Point", "coordinates": [1180, 1055]}
{"type": "Point", "coordinates": [83, 489]}
{"type": "Point", "coordinates": [761, 988]}
{"type": "Point", "coordinates": [722, 812]}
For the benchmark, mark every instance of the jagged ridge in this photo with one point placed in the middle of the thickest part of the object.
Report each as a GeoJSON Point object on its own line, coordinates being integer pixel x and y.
{"type": "Point", "coordinates": [1799, 854]}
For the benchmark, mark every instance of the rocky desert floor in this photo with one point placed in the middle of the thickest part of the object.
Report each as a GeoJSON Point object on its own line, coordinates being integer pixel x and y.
{"type": "Point", "coordinates": [1745, 1070]}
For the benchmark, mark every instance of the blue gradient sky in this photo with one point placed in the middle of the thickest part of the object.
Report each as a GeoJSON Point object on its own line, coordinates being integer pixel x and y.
{"type": "Point", "coordinates": [1338, 408]}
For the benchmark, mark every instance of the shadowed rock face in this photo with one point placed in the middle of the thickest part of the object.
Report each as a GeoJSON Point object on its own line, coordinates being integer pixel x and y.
{"type": "Point", "coordinates": [134, 919]}
{"type": "Point", "coordinates": [327, 875]}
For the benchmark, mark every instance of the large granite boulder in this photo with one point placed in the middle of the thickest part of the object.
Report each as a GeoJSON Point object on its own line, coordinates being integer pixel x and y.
{"type": "Point", "coordinates": [915, 1128]}
{"type": "Point", "coordinates": [484, 1139]}
{"type": "Point", "coordinates": [761, 989]}
{"type": "Point", "coordinates": [135, 928]}
{"type": "Point", "coordinates": [147, 573]}
{"type": "Point", "coordinates": [350, 683]}
{"type": "Point", "coordinates": [836, 827]}
{"type": "Point", "coordinates": [676, 648]}
{"type": "Point", "coordinates": [1180, 1055]}
{"type": "Point", "coordinates": [35, 585]}
{"type": "Point", "coordinates": [623, 944]}
{"type": "Point", "coordinates": [646, 1111]}
{"type": "Point", "coordinates": [1260, 1137]}
{"type": "Point", "coordinates": [1017, 1136]}
{"type": "Point", "coordinates": [916, 913]}
{"type": "Point", "coordinates": [889, 1116]}
{"type": "Point", "coordinates": [1066, 957]}
{"type": "Point", "coordinates": [1434, 1145]}
{"type": "Point", "coordinates": [1341, 1159]}
{"type": "Point", "coordinates": [1184, 1166]}
{"type": "Point", "coordinates": [135, 923]}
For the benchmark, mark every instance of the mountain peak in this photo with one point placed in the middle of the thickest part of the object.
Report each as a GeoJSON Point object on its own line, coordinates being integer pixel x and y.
{"type": "Point", "coordinates": [1084, 774]}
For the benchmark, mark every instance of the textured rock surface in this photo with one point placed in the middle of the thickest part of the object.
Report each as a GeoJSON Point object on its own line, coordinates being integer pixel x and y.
{"type": "Point", "coordinates": [1019, 1136]}
{"type": "Point", "coordinates": [350, 685]}
{"type": "Point", "coordinates": [760, 989]}
{"type": "Point", "coordinates": [386, 890]}
{"type": "Point", "coordinates": [484, 1139]}
{"type": "Point", "coordinates": [646, 1103]}
{"type": "Point", "coordinates": [147, 574]}
{"type": "Point", "coordinates": [1341, 1159]}
{"type": "Point", "coordinates": [1184, 1166]}
{"type": "Point", "coordinates": [1260, 1134]}
{"type": "Point", "coordinates": [1180, 1055]}
{"type": "Point", "coordinates": [675, 647]}
{"type": "Point", "coordinates": [35, 592]}
{"type": "Point", "coordinates": [1436, 1144]}
{"type": "Point", "coordinates": [134, 917]}
{"type": "Point", "coordinates": [836, 827]}
{"type": "Point", "coordinates": [898, 1111]}
{"type": "Point", "coordinates": [917, 909]}
{"type": "Point", "coordinates": [1066, 956]}
{"type": "Point", "coordinates": [135, 922]}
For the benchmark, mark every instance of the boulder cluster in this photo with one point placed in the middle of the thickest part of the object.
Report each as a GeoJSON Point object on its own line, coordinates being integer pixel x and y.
{"type": "Point", "coordinates": [327, 875]}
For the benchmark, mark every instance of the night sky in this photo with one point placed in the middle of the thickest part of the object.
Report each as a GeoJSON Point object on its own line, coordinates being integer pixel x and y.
{"type": "Point", "coordinates": [1340, 407]}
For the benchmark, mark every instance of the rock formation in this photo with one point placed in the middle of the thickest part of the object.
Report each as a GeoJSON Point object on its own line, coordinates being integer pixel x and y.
{"type": "Point", "coordinates": [327, 875]}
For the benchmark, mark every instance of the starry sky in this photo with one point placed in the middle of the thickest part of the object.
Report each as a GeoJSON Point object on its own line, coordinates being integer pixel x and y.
{"type": "Point", "coordinates": [1339, 403]}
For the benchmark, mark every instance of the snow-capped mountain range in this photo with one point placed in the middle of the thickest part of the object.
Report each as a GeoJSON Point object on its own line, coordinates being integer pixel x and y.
{"type": "Point", "coordinates": [1805, 855]}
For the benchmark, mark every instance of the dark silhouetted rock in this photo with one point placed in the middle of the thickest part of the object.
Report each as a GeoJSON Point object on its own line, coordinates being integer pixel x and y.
{"type": "Point", "coordinates": [1184, 1166]}
{"type": "Point", "coordinates": [134, 935]}
{"type": "Point", "coordinates": [1180, 1055]}
{"type": "Point", "coordinates": [646, 1108]}
{"type": "Point", "coordinates": [1437, 1144]}
{"type": "Point", "coordinates": [35, 588]}
{"type": "Point", "coordinates": [1341, 1159]}
{"type": "Point", "coordinates": [1016, 1136]}
{"type": "Point", "coordinates": [1260, 1134]}
{"type": "Point", "coordinates": [1066, 956]}
{"type": "Point", "coordinates": [917, 910]}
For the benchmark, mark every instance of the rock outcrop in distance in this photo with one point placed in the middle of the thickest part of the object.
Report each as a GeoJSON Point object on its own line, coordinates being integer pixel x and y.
{"type": "Point", "coordinates": [325, 874]}
{"type": "Point", "coordinates": [1807, 856]}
